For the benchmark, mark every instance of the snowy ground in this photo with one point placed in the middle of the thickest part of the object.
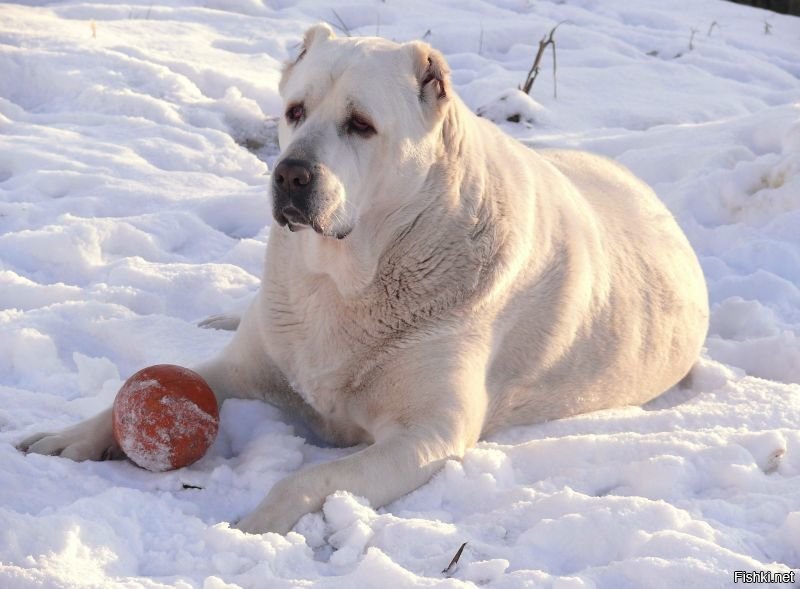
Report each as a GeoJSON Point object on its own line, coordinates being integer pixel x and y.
{"type": "Point", "coordinates": [133, 141]}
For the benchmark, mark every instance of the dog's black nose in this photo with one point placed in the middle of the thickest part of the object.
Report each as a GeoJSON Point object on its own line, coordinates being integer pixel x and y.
{"type": "Point", "coordinates": [293, 176]}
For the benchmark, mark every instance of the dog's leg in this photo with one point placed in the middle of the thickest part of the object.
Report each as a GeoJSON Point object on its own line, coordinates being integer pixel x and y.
{"type": "Point", "coordinates": [242, 370]}
{"type": "Point", "coordinates": [93, 438]}
{"type": "Point", "coordinates": [382, 473]}
{"type": "Point", "coordinates": [401, 459]}
{"type": "Point", "coordinates": [428, 406]}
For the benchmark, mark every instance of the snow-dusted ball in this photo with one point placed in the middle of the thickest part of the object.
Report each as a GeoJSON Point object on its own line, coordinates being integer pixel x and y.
{"type": "Point", "coordinates": [165, 417]}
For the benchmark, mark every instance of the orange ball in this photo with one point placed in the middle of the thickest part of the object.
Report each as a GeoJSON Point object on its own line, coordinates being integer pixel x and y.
{"type": "Point", "coordinates": [165, 417]}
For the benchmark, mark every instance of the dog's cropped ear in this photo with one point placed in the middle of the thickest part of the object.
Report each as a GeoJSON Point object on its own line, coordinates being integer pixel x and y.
{"type": "Point", "coordinates": [432, 75]}
{"type": "Point", "coordinates": [315, 34]}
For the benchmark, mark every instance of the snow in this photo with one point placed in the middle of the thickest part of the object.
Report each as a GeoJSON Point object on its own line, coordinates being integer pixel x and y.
{"type": "Point", "coordinates": [134, 143]}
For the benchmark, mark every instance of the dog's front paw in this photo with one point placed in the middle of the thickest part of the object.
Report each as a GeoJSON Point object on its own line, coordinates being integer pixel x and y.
{"type": "Point", "coordinates": [269, 518]}
{"type": "Point", "coordinates": [279, 511]}
{"type": "Point", "coordinates": [261, 523]}
{"type": "Point", "coordinates": [68, 447]}
{"type": "Point", "coordinates": [92, 439]}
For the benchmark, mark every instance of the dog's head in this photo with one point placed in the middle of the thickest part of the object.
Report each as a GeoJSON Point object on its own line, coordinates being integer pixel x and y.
{"type": "Point", "coordinates": [357, 128]}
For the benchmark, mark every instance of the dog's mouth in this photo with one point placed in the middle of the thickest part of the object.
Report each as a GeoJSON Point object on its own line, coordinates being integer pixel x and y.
{"type": "Point", "coordinates": [294, 227]}
{"type": "Point", "coordinates": [328, 232]}
{"type": "Point", "coordinates": [295, 224]}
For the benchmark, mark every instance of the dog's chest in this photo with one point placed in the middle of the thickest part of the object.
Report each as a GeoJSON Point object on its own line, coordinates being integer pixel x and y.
{"type": "Point", "coordinates": [319, 343]}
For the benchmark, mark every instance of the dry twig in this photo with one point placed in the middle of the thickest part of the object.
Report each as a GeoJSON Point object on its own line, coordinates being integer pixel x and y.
{"type": "Point", "coordinates": [341, 26]}
{"type": "Point", "coordinates": [691, 39]}
{"type": "Point", "coordinates": [454, 562]}
{"type": "Point", "coordinates": [534, 71]}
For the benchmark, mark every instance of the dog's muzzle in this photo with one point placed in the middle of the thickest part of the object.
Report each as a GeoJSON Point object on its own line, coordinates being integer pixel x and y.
{"type": "Point", "coordinates": [292, 186]}
{"type": "Point", "coordinates": [293, 206]}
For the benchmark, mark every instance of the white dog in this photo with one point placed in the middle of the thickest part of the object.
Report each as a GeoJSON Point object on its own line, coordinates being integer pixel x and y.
{"type": "Point", "coordinates": [430, 280]}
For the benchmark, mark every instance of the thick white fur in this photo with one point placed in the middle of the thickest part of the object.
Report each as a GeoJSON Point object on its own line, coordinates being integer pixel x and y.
{"type": "Point", "coordinates": [483, 284]}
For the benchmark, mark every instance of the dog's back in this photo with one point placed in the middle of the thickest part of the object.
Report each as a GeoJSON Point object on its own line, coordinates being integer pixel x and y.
{"type": "Point", "coordinates": [618, 313]}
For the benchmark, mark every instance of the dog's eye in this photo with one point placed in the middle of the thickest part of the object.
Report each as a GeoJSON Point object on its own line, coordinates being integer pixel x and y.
{"type": "Point", "coordinates": [360, 125]}
{"type": "Point", "coordinates": [295, 113]}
